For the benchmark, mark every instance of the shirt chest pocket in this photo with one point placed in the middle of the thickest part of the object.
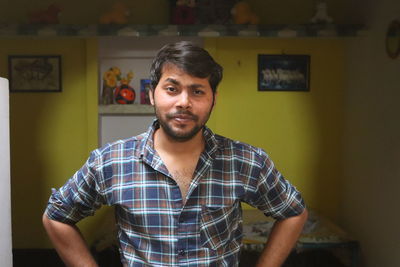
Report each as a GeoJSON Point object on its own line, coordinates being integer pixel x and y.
{"type": "Point", "coordinates": [219, 226]}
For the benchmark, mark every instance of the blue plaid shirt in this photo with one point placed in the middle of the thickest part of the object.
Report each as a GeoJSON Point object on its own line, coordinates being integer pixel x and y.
{"type": "Point", "coordinates": [154, 227]}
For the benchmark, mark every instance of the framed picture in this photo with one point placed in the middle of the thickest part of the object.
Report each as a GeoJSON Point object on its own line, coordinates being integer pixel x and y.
{"type": "Point", "coordinates": [144, 91]}
{"type": "Point", "coordinates": [283, 72]}
{"type": "Point", "coordinates": [34, 73]}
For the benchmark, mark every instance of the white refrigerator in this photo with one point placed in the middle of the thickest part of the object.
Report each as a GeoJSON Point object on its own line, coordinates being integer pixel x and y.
{"type": "Point", "coordinates": [5, 195]}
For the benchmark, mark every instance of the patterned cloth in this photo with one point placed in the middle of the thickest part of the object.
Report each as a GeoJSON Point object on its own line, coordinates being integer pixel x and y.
{"type": "Point", "coordinates": [154, 227]}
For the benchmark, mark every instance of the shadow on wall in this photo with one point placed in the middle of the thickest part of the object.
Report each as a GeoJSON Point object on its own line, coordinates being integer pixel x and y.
{"type": "Point", "coordinates": [27, 115]}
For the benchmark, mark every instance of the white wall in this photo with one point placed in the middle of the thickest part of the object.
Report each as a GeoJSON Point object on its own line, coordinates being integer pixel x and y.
{"type": "Point", "coordinates": [113, 128]}
{"type": "Point", "coordinates": [371, 198]}
{"type": "Point", "coordinates": [5, 201]}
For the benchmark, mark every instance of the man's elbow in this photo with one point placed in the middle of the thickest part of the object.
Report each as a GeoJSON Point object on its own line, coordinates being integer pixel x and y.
{"type": "Point", "coordinates": [304, 214]}
{"type": "Point", "coordinates": [46, 221]}
{"type": "Point", "coordinates": [302, 217]}
{"type": "Point", "coordinates": [299, 219]}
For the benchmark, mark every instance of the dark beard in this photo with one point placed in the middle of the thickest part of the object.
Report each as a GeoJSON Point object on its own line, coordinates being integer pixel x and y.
{"type": "Point", "coordinates": [179, 137]}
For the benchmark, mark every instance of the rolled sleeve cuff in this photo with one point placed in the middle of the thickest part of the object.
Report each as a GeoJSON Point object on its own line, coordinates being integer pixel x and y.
{"type": "Point", "coordinates": [59, 211]}
{"type": "Point", "coordinates": [291, 209]}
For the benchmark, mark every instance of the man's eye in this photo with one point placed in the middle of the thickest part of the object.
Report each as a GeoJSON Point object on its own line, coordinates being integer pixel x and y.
{"type": "Point", "coordinates": [198, 92]}
{"type": "Point", "coordinates": [170, 89]}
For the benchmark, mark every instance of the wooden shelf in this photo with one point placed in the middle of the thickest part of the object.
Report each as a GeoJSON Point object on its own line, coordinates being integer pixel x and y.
{"type": "Point", "coordinates": [131, 109]}
{"type": "Point", "coordinates": [272, 31]}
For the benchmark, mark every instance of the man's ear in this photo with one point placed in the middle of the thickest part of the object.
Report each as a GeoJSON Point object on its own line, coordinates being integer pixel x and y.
{"type": "Point", "coordinates": [214, 100]}
{"type": "Point", "coordinates": [151, 96]}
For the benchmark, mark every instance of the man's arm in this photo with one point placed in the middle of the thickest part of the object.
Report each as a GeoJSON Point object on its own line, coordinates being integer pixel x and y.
{"type": "Point", "coordinates": [69, 243]}
{"type": "Point", "coordinates": [281, 240]}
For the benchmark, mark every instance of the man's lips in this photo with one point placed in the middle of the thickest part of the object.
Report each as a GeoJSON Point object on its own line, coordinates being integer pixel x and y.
{"type": "Point", "coordinates": [183, 117]}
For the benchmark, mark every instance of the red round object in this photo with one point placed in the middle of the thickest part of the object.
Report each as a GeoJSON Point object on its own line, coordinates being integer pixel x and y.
{"type": "Point", "coordinates": [125, 94]}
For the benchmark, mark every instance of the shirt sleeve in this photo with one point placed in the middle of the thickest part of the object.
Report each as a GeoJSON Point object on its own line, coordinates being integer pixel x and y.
{"type": "Point", "coordinates": [79, 197]}
{"type": "Point", "coordinates": [274, 195]}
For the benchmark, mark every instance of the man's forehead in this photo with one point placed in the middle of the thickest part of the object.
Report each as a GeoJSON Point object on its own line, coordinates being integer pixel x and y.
{"type": "Point", "coordinates": [173, 68]}
{"type": "Point", "coordinates": [170, 73]}
{"type": "Point", "coordinates": [168, 66]}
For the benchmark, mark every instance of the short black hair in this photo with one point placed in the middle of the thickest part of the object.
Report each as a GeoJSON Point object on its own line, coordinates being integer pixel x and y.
{"type": "Point", "coordinates": [192, 59]}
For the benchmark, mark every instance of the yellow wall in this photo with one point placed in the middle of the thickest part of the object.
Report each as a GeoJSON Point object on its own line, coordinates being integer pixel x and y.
{"type": "Point", "coordinates": [301, 131]}
{"type": "Point", "coordinates": [49, 131]}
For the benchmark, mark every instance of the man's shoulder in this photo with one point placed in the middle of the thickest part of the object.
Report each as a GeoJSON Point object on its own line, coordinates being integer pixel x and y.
{"type": "Point", "coordinates": [235, 147]}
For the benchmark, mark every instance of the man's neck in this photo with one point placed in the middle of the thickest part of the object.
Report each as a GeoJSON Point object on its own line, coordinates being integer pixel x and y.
{"type": "Point", "coordinates": [165, 143]}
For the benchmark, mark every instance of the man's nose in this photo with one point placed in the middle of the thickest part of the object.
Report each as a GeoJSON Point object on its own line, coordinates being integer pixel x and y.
{"type": "Point", "coordinates": [184, 100]}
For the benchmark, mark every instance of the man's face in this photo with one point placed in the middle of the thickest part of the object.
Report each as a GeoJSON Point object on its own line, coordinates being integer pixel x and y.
{"type": "Point", "coordinates": [183, 103]}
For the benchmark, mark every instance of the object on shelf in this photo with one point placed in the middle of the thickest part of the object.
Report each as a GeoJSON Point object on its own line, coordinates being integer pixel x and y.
{"type": "Point", "coordinates": [209, 32]}
{"type": "Point", "coordinates": [109, 84]}
{"type": "Point", "coordinates": [118, 14]}
{"type": "Point", "coordinates": [243, 14]}
{"type": "Point", "coordinates": [214, 11]}
{"type": "Point", "coordinates": [184, 12]}
{"type": "Point", "coordinates": [48, 16]}
{"type": "Point", "coordinates": [321, 16]}
{"type": "Point", "coordinates": [124, 94]}
{"type": "Point", "coordinates": [145, 85]}
{"type": "Point", "coordinates": [116, 88]}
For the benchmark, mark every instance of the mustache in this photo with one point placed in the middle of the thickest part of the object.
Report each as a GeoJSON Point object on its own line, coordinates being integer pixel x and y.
{"type": "Point", "coordinates": [179, 113]}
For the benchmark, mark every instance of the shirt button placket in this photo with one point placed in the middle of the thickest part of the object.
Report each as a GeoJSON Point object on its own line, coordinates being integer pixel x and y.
{"type": "Point", "coordinates": [181, 239]}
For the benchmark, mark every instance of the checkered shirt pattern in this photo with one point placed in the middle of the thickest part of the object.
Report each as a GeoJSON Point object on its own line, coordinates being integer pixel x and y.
{"type": "Point", "coordinates": [154, 227]}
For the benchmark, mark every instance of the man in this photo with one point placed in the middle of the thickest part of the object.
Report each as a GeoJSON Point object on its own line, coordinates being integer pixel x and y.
{"type": "Point", "coordinates": [177, 188]}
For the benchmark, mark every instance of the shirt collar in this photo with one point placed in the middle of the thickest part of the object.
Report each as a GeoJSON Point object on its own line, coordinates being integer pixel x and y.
{"type": "Point", "coordinates": [148, 151]}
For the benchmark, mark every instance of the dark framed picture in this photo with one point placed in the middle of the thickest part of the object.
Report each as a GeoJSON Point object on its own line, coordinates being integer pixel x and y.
{"type": "Point", "coordinates": [144, 91]}
{"type": "Point", "coordinates": [34, 73]}
{"type": "Point", "coordinates": [283, 72]}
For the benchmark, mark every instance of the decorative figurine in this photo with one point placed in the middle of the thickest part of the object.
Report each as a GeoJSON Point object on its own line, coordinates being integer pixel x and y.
{"type": "Point", "coordinates": [242, 14]}
{"type": "Point", "coordinates": [321, 15]}
{"type": "Point", "coordinates": [214, 11]}
{"type": "Point", "coordinates": [184, 12]}
{"type": "Point", "coordinates": [118, 14]}
{"type": "Point", "coordinates": [48, 16]}
{"type": "Point", "coordinates": [124, 94]}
